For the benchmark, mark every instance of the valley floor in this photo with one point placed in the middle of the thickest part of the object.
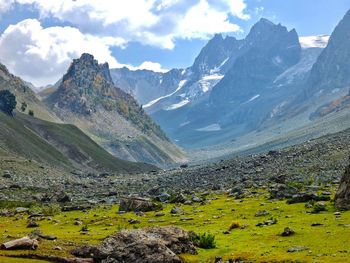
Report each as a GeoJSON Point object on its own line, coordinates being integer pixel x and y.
{"type": "Point", "coordinates": [326, 241]}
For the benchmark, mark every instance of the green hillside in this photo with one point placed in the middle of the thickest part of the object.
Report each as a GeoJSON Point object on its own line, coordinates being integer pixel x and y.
{"type": "Point", "coordinates": [59, 145]}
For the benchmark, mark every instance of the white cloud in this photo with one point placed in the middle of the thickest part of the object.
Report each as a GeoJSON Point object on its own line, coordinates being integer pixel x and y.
{"type": "Point", "coordinates": [149, 65]}
{"type": "Point", "coordinates": [202, 21]}
{"type": "Point", "coordinates": [152, 22]}
{"type": "Point", "coordinates": [5, 5]}
{"type": "Point", "coordinates": [314, 41]}
{"type": "Point", "coordinates": [41, 55]}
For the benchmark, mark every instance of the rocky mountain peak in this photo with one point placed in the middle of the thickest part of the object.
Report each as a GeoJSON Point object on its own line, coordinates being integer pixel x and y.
{"type": "Point", "coordinates": [88, 67]}
{"type": "Point", "coordinates": [332, 71]}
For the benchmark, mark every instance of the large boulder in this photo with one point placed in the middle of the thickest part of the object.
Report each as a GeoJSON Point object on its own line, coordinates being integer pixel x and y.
{"type": "Point", "coordinates": [156, 245]}
{"type": "Point", "coordinates": [342, 198]}
{"type": "Point", "coordinates": [137, 204]}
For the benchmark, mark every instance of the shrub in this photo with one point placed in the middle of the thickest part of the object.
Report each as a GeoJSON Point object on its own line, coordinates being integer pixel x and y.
{"type": "Point", "coordinates": [205, 240]}
{"type": "Point", "coordinates": [234, 225]}
{"type": "Point", "coordinates": [7, 102]}
{"type": "Point", "coordinates": [319, 207]}
{"type": "Point", "coordinates": [24, 106]}
{"type": "Point", "coordinates": [84, 229]}
{"type": "Point", "coordinates": [47, 210]}
{"type": "Point", "coordinates": [31, 113]}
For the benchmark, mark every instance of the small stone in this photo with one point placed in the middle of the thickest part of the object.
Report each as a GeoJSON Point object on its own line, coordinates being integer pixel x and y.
{"type": "Point", "coordinates": [176, 210]}
{"type": "Point", "coordinates": [287, 232]}
{"type": "Point", "coordinates": [32, 223]}
{"type": "Point", "coordinates": [78, 223]}
{"type": "Point", "coordinates": [297, 249]}
{"type": "Point", "coordinates": [261, 213]}
{"type": "Point", "coordinates": [134, 221]}
{"type": "Point", "coordinates": [159, 214]}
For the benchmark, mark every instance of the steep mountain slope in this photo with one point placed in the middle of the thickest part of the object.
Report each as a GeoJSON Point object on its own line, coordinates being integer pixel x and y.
{"type": "Point", "coordinates": [62, 146]}
{"type": "Point", "coordinates": [146, 85]}
{"type": "Point", "coordinates": [250, 87]}
{"type": "Point", "coordinates": [196, 82]}
{"type": "Point", "coordinates": [24, 95]}
{"type": "Point", "coordinates": [332, 71]}
{"type": "Point", "coordinates": [88, 98]}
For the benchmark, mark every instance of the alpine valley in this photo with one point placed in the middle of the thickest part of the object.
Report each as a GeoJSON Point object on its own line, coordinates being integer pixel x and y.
{"type": "Point", "coordinates": [241, 157]}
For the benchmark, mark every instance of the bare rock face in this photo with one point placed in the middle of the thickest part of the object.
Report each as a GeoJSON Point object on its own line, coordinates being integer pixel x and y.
{"type": "Point", "coordinates": [342, 198]}
{"type": "Point", "coordinates": [156, 245]}
{"type": "Point", "coordinates": [137, 204]}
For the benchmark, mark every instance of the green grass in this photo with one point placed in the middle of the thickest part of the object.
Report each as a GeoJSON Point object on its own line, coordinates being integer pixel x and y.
{"type": "Point", "coordinates": [60, 145]}
{"type": "Point", "coordinates": [326, 243]}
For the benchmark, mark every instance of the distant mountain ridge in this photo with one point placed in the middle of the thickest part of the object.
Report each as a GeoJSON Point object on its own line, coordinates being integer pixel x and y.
{"type": "Point", "coordinates": [269, 79]}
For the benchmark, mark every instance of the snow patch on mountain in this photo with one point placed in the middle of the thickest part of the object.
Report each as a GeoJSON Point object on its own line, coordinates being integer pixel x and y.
{"type": "Point", "coordinates": [211, 128]}
{"type": "Point", "coordinates": [181, 84]}
{"type": "Point", "coordinates": [178, 105]}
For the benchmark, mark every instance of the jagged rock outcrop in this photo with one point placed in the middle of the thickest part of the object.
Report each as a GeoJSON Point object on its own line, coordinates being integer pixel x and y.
{"type": "Point", "coordinates": [342, 198]}
{"type": "Point", "coordinates": [88, 98]}
{"type": "Point", "coordinates": [156, 245]}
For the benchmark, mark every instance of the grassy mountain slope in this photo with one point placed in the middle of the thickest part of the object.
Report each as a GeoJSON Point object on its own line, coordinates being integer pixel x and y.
{"type": "Point", "coordinates": [24, 94]}
{"type": "Point", "coordinates": [59, 145]}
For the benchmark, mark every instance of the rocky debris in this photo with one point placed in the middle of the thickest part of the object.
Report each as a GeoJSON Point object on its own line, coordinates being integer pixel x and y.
{"type": "Point", "coordinates": [176, 210]}
{"type": "Point", "coordinates": [38, 234]}
{"type": "Point", "coordinates": [270, 222]}
{"type": "Point", "coordinates": [20, 210]}
{"type": "Point", "coordinates": [342, 198]}
{"type": "Point", "coordinates": [297, 249]}
{"type": "Point", "coordinates": [262, 213]}
{"type": "Point", "coordinates": [22, 243]}
{"type": "Point", "coordinates": [64, 198]}
{"type": "Point", "coordinates": [134, 221]}
{"type": "Point", "coordinates": [163, 197]}
{"type": "Point", "coordinates": [137, 204]}
{"type": "Point", "coordinates": [32, 223]}
{"type": "Point", "coordinates": [196, 199]}
{"type": "Point", "coordinates": [7, 175]}
{"type": "Point", "coordinates": [287, 232]}
{"type": "Point", "coordinates": [280, 191]}
{"type": "Point", "coordinates": [156, 245]}
{"type": "Point", "coordinates": [306, 197]}
{"type": "Point", "coordinates": [179, 198]}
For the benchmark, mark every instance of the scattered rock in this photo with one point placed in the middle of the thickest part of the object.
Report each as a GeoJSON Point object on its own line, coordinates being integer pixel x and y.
{"type": "Point", "coordinates": [176, 210]}
{"type": "Point", "coordinates": [163, 197]}
{"type": "Point", "coordinates": [156, 245]}
{"type": "Point", "coordinates": [262, 213]}
{"type": "Point", "coordinates": [134, 221]}
{"type": "Point", "coordinates": [32, 223]}
{"type": "Point", "coordinates": [342, 198]}
{"type": "Point", "coordinates": [7, 175]}
{"type": "Point", "coordinates": [287, 232]}
{"type": "Point", "coordinates": [196, 199]}
{"type": "Point", "coordinates": [22, 243]}
{"type": "Point", "coordinates": [280, 191]}
{"type": "Point", "coordinates": [297, 249]}
{"type": "Point", "coordinates": [137, 204]}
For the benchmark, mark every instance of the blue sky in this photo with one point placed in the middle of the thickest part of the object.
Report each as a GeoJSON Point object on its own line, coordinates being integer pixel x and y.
{"type": "Point", "coordinates": [39, 37]}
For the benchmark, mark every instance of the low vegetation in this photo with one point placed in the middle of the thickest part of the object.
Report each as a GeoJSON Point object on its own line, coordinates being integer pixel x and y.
{"type": "Point", "coordinates": [210, 222]}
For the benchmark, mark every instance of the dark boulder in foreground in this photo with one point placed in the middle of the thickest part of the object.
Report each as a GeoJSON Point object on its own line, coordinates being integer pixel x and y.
{"type": "Point", "coordinates": [342, 198]}
{"type": "Point", "coordinates": [156, 245]}
{"type": "Point", "coordinates": [137, 204]}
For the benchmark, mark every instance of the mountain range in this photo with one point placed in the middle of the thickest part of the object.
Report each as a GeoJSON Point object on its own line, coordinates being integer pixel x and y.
{"type": "Point", "coordinates": [271, 80]}
{"type": "Point", "coordinates": [239, 93]}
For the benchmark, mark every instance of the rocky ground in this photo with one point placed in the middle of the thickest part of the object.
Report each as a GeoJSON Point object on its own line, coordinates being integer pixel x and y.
{"type": "Point", "coordinates": [313, 164]}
